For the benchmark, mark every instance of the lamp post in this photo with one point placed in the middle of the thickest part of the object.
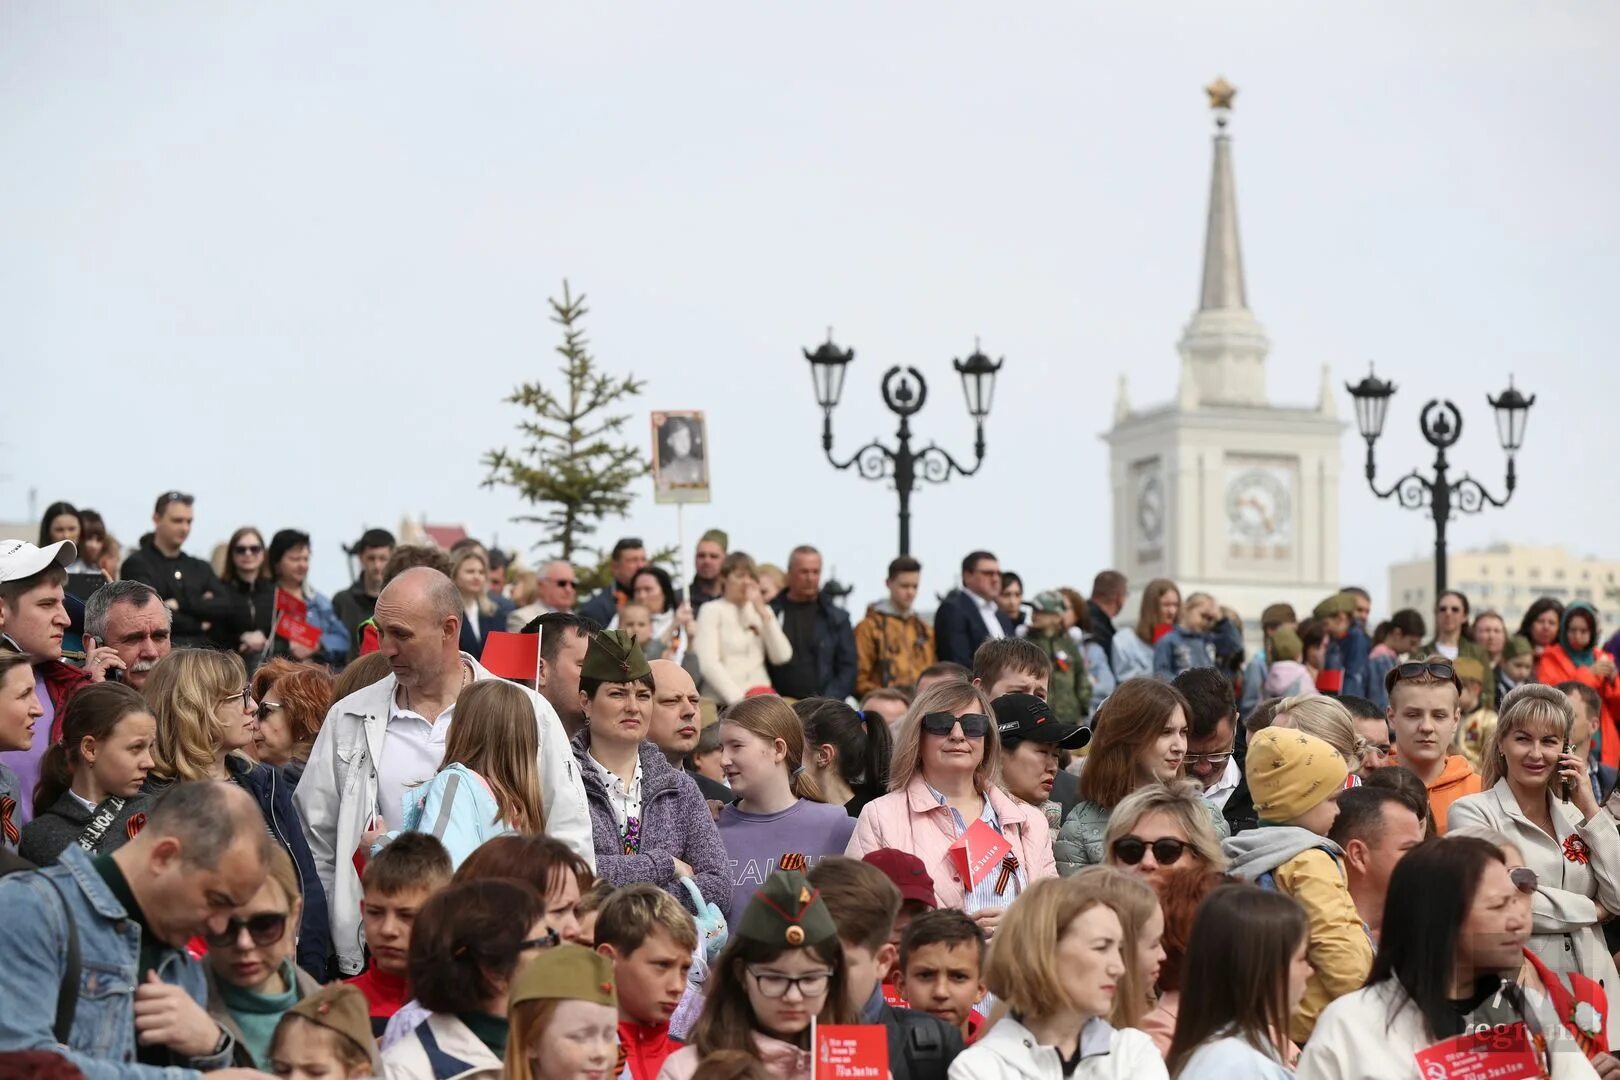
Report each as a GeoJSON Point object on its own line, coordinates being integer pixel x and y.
{"type": "Point", "coordinates": [1441, 424]}
{"type": "Point", "coordinates": [904, 392]}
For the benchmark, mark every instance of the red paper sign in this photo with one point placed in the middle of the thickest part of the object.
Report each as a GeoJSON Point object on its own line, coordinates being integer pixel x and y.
{"type": "Point", "coordinates": [1500, 1054]}
{"type": "Point", "coordinates": [292, 604]}
{"type": "Point", "coordinates": [1330, 682]}
{"type": "Point", "coordinates": [298, 632]}
{"type": "Point", "coordinates": [893, 997]}
{"type": "Point", "coordinates": [851, 1052]}
{"type": "Point", "coordinates": [978, 852]}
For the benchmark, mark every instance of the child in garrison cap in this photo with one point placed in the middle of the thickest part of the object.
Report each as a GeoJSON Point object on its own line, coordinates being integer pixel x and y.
{"type": "Point", "coordinates": [783, 966]}
{"type": "Point", "coordinates": [564, 1017]}
{"type": "Point", "coordinates": [1296, 779]}
{"type": "Point", "coordinates": [326, 1034]}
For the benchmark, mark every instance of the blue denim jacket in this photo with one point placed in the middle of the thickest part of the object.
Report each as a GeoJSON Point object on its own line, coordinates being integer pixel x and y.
{"type": "Point", "coordinates": [33, 942]}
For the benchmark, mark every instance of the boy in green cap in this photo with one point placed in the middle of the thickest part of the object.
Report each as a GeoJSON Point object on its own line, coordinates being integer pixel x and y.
{"type": "Point", "coordinates": [1069, 692]}
{"type": "Point", "coordinates": [1348, 644]}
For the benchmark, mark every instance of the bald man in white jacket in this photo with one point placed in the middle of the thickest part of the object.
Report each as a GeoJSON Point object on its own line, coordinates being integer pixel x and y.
{"type": "Point", "coordinates": [379, 742]}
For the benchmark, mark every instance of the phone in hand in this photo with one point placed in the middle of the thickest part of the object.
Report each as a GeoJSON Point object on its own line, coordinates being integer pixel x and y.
{"type": "Point", "coordinates": [1566, 786]}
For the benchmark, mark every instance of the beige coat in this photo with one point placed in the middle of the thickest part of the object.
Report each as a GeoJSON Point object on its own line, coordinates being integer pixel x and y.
{"type": "Point", "coordinates": [732, 645]}
{"type": "Point", "coordinates": [1566, 934]}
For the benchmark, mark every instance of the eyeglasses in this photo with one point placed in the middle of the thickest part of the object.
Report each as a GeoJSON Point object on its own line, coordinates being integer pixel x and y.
{"type": "Point", "coordinates": [246, 695]}
{"type": "Point", "coordinates": [247, 549]}
{"type": "Point", "coordinates": [1524, 879]}
{"type": "Point", "coordinates": [265, 929]}
{"type": "Point", "coordinates": [262, 713]}
{"type": "Point", "coordinates": [549, 941]}
{"type": "Point", "coordinates": [974, 725]}
{"type": "Point", "coordinates": [1449, 609]}
{"type": "Point", "coordinates": [775, 986]}
{"type": "Point", "coordinates": [1166, 851]}
{"type": "Point", "coordinates": [570, 584]}
{"type": "Point", "coordinates": [1217, 760]}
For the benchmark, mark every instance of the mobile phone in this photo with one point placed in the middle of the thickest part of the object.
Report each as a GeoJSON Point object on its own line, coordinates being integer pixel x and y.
{"type": "Point", "coordinates": [1566, 786]}
{"type": "Point", "coordinates": [115, 674]}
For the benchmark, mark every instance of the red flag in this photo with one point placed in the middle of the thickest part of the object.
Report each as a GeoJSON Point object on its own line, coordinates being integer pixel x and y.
{"type": "Point", "coordinates": [512, 656]}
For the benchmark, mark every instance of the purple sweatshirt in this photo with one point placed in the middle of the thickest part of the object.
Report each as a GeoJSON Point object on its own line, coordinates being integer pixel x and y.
{"type": "Point", "coordinates": [675, 824]}
{"type": "Point", "coordinates": [758, 843]}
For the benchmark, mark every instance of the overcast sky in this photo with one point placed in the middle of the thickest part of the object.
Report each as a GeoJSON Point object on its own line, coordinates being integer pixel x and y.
{"type": "Point", "coordinates": [291, 258]}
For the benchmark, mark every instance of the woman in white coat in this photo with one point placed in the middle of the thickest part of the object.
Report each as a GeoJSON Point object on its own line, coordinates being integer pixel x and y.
{"type": "Point", "coordinates": [1442, 969]}
{"type": "Point", "coordinates": [1572, 846]}
{"type": "Point", "coordinates": [1057, 959]}
{"type": "Point", "coordinates": [737, 633]}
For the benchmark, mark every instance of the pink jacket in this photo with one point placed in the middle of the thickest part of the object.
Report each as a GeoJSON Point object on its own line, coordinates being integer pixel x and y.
{"type": "Point", "coordinates": [911, 820]}
{"type": "Point", "coordinates": [783, 1060]}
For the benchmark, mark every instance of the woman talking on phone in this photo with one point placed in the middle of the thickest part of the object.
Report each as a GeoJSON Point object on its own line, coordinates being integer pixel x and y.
{"type": "Point", "coordinates": [1537, 794]}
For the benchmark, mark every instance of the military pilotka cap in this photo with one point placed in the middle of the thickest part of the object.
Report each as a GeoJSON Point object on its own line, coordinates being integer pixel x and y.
{"type": "Point", "coordinates": [1338, 604]}
{"type": "Point", "coordinates": [614, 656]}
{"type": "Point", "coordinates": [1050, 602]}
{"type": "Point", "coordinates": [566, 973]}
{"type": "Point", "coordinates": [1518, 645]}
{"type": "Point", "coordinates": [717, 536]}
{"type": "Point", "coordinates": [1026, 718]}
{"type": "Point", "coordinates": [787, 911]}
{"type": "Point", "coordinates": [343, 1009]}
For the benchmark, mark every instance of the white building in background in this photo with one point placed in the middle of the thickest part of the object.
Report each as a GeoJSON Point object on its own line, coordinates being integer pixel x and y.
{"type": "Point", "coordinates": [1507, 578]}
{"type": "Point", "coordinates": [1221, 490]}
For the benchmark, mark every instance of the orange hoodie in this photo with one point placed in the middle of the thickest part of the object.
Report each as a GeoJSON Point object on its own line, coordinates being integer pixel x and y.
{"type": "Point", "coordinates": [1457, 779]}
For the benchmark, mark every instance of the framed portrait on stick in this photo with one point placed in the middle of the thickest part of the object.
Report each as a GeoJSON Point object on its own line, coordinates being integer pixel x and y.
{"type": "Point", "coordinates": [680, 456]}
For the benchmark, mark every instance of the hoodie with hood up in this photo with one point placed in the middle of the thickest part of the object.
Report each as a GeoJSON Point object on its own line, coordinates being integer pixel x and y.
{"type": "Point", "coordinates": [1309, 868]}
{"type": "Point", "coordinates": [891, 649]}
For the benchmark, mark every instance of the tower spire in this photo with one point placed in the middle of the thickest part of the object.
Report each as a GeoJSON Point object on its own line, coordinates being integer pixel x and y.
{"type": "Point", "coordinates": [1223, 348]}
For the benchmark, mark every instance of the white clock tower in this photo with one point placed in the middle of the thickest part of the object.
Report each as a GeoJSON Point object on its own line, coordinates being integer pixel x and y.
{"type": "Point", "coordinates": [1219, 490]}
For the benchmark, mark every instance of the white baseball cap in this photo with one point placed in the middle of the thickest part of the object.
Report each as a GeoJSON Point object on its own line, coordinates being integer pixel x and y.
{"type": "Point", "coordinates": [20, 559]}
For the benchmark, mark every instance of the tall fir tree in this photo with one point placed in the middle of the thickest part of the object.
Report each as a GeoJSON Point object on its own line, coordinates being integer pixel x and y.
{"type": "Point", "coordinates": [571, 463]}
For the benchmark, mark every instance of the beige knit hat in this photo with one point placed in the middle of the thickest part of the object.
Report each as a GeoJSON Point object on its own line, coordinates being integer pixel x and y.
{"type": "Point", "coordinates": [1291, 772]}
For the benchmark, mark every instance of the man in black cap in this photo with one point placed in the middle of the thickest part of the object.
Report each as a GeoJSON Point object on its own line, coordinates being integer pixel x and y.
{"type": "Point", "coordinates": [1031, 736]}
{"type": "Point", "coordinates": [358, 602]}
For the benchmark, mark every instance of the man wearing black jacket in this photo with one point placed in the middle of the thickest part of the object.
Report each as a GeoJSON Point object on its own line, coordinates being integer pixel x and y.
{"type": "Point", "coordinates": [187, 585]}
{"type": "Point", "coordinates": [1213, 758]}
{"type": "Point", "coordinates": [1108, 591]}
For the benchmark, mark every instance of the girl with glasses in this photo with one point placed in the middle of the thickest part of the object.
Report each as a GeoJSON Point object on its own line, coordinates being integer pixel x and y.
{"type": "Point", "coordinates": [783, 967]}
{"type": "Point", "coordinates": [943, 781]}
{"type": "Point", "coordinates": [1246, 970]}
{"type": "Point", "coordinates": [1161, 829]}
{"type": "Point", "coordinates": [1140, 741]}
{"type": "Point", "coordinates": [204, 716]}
{"type": "Point", "coordinates": [252, 979]}
{"type": "Point", "coordinates": [247, 622]}
{"type": "Point", "coordinates": [778, 817]}
{"type": "Point", "coordinates": [1570, 842]}
{"type": "Point", "coordinates": [1058, 965]}
{"type": "Point", "coordinates": [467, 944]}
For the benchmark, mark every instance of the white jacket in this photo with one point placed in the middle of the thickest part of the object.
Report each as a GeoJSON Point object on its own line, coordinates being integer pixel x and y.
{"type": "Point", "coordinates": [441, 1048]}
{"type": "Point", "coordinates": [732, 644]}
{"type": "Point", "coordinates": [1009, 1052]}
{"type": "Point", "coordinates": [1357, 1039]}
{"type": "Point", "coordinates": [1232, 1057]}
{"type": "Point", "coordinates": [338, 794]}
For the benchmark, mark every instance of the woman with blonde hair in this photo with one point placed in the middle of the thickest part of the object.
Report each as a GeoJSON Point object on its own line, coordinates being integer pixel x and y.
{"type": "Point", "coordinates": [204, 714]}
{"type": "Point", "coordinates": [1058, 964]}
{"type": "Point", "coordinates": [1328, 720]}
{"type": "Point", "coordinates": [1141, 741]}
{"type": "Point", "coordinates": [1133, 648]}
{"type": "Point", "coordinates": [1160, 829]}
{"type": "Point", "coordinates": [488, 784]}
{"type": "Point", "coordinates": [737, 633]}
{"type": "Point", "coordinates": [1137, 906]}
{"type": "Point", "coordinates": [777, 818]}
{"type": "Point", "coordinates": [943, 777]}
{"type": "Point", "coordinates": [1537, 794]}
{"type": "Point", "coordinates": [469, 569]}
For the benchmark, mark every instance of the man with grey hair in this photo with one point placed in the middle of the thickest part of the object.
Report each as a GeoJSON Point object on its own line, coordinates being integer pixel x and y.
{"type": "Point", "coordinates": [130, 621]}
{"type": "Point", "coordinates": [142, 1011]}
{"type": "Point", "coordinates": [385, 739]}
{"type": "Point", "coordinates": [823, 662]}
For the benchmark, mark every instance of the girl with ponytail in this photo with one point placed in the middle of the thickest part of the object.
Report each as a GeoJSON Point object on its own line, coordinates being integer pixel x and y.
{"type": "Point", "coordinates": [89, 790]}
{"type": "Point", "coordinates": [778, 821]}
{"type": "Point", "coordinates": [846, 752]}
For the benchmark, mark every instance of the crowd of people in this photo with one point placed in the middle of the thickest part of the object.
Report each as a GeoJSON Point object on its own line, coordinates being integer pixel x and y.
{"type": "Point", "coordinates": [249, 829]}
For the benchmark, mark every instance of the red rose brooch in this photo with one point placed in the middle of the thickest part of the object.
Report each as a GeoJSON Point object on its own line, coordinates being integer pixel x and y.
{"type": "Point", "coordinates": [1576, 851]}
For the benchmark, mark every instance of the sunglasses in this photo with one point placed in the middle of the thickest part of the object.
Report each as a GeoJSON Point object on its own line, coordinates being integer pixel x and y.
{"type": "Point", "coordinates": [1416, 669]}
{"type": "Point", "coordinates": [248, 549]}
{"type": "Point", "coordinates": [1166, 852]}
{"type": "Point", "coordinates": [1524, 879]}
{"type": "Point", "coordinates": [264, 929]}
{"type": "Point", "coordinates": [262, 713]}
{"type": "Point", "coordinates": [974, 725]}
{"type": "Point", "coordinates": [551, 940]}
{"type": "Point", "coordinates": [564, 584]}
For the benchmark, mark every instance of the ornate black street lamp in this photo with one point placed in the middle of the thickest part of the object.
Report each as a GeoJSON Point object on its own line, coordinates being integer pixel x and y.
{"type": "Point", "coordinates": [1442, 426]}
{"type": "Point", "coordinates": [904, 392]}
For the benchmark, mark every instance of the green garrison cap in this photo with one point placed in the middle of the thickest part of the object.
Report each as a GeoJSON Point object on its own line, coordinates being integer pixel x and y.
{"type": "Point", "coordinates": [787, 910]}
{"type": "Point", "coordinates": [614, 656]}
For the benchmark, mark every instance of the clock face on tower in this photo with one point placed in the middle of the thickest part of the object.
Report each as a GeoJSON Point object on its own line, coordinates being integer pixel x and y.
{"type": "Point", "coordinates": [1150, 510]}
{"type": "Point", "coordinates": [1260, 512]}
